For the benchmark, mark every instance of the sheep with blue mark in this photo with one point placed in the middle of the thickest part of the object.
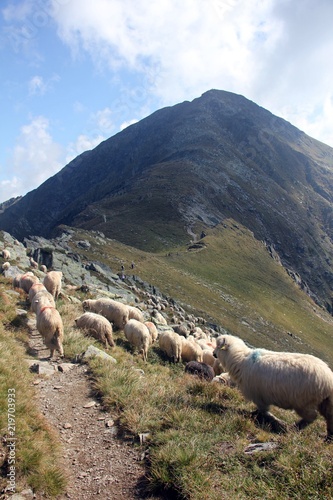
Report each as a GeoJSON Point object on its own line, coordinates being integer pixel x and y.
{"type": "Point", "coordinates": [291, 381]}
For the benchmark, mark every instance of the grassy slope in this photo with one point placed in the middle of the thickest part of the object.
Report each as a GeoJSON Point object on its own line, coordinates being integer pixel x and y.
{"type": "Point", "coordinates": [234, 283]}
{"type": "Point", "coordinates": [197, 431]}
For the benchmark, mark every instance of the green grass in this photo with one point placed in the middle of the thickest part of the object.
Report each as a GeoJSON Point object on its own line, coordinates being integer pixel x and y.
{"type": "Point", "coordinates": [197, 432]}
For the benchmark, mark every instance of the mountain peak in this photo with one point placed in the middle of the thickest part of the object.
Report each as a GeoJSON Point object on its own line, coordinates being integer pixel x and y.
{"type": "Point", "coordinates": [186, 168]}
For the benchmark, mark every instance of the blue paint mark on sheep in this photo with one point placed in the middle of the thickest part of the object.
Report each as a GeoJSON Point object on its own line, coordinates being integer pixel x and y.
{"type": "Point", "coordinates": [256, 355]}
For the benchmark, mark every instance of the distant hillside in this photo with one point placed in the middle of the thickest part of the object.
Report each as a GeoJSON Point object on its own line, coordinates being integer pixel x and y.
{"type": "Point", "coordinates": [187, 168]}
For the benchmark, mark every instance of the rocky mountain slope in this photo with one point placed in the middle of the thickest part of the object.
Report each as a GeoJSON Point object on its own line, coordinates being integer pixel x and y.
{"type": "Point", "coordinates": [187, 168]}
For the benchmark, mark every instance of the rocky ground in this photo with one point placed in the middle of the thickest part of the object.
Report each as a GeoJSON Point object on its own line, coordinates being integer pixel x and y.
{"type": "Point", "coordinates": [98, 461]}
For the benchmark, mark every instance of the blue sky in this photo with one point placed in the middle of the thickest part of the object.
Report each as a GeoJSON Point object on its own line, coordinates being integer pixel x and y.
{"type": "Point", "coordinates": [75, 72]}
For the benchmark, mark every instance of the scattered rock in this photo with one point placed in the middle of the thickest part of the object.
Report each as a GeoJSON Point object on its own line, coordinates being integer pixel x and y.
{"type": "Point", "coordinates": [66, 367]}
{"type": "Point", "coordinates": [90, 404]}
{"type": "Point", "coordinates": [256, 447]}
{"type": "Point", "coordinates": [94, 351]}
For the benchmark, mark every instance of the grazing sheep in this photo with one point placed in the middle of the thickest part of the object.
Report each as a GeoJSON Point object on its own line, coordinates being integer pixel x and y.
{"type": "Point", "coordinates": [224, 378]}
{"type": "Point", "coordinates": [202, 370]}
{"type": "Point", "coordinates": [191, 351]}
{"type": "Point", "coordinates": [17, 279]}
{"type": "Point", "coordinates": [50, 326]}
{"type": "Point", "coordinates": [170, 343]}
{"type": "Point", "coordinates": [300, 382]}
{"type": "Point", "coordinates": [208, 357]}
{"type": "Point", "coordinates": [52, 282]}
{"type": "Point", "coordinates": [5, 266]}
{"type": "Point", "coordinates": [43, 268]}
{"type": "Point", "coordinates": [27, 280]}
{"type": "Point", "coordinates": [116, 312]}
{"type": "Point", "coordinates": [138, 336]}
{"type": "Point", "coordinates": [35, 288]}
{"type": "Point", "coordinates": [97, 326]}
{"type": "Point", "coordinates": [181, 330]}
{"type": "Point", "coordinates": [152, 330]}
{"type": "Point", "coordinates": [6, 254]}
{"type": "Point", "coordinates": [135, 313]}
{"type": "Point", "coordinates": [159, 318]}
{"type": "Point", "coordinates": [41, 299]}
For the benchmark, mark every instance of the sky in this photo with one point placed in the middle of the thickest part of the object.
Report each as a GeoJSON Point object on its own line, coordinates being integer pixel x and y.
{"type": "Point", "coordinates": [76, 72]}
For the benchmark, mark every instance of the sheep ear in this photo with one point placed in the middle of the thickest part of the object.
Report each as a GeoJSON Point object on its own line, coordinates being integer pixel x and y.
{"type": "Point", "coordinates": [224, 345]}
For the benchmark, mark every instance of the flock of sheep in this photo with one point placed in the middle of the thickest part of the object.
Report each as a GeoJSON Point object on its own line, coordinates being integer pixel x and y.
{"type": "Point", "coordinates": [300, 382]}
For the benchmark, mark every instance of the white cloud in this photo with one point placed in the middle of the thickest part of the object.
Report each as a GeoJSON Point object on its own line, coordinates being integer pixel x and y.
{"type": "Point", "coordinates": [103, 119]}
{"type": "Point", "coordinates": [35, 158]}
{"type": "Point", "coordinates": [272, 51]}
{"type": "Point", "coordinates": [39, 86]}
{"type": "Point", "coordinates": [82, 143]}
{"type": "Point", "coordinates": [127, 124]}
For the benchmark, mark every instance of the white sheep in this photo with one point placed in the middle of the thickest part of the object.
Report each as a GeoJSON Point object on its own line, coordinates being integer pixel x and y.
{"type": "Point", "coordinates": [43, 268]}
{"type": "Point", "coordinates": [35, 288]}
{"type": "Point", "coordinates": [300, 382]}
{"type": "Point", "coordinates": [159, 318]}
{"type": "Point", "coordinates": [208, 357]}
{"type": "Point", "coordinates": [191, 351]}
{"type": "Point", "coordinates": [52, 282]}
{"type": "Point", "coordinates": [135, 313]}
{"type": "Point", "coordinates": [6, 254]}
{"type": "Point", "coordinates": [5, 266]}
{"type": "Point", "coordinates": [152, 330]}
{"type": "Point", "coordinates": [170, 343]}
{"type": "Point", "coordinates": [116, 312]}
{"type": "Point", "coordinates": [50, 326]}
{"type": "Point", "coordinates": [27, 280]}
{"type": "Point", "coordinates": [41, 299]}
{"type": "Point", "coordinates": [17, 279]}
{"type": "Point", "coordinates": [138, 336]}
{"type": "Point", "coordinates": [97, 326]}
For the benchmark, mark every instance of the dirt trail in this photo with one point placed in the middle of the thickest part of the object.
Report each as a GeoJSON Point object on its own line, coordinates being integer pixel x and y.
{"type": "Point", "coordinates": [98, 462]}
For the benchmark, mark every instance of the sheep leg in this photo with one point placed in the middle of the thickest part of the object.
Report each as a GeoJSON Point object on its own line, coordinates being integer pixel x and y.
{"type": "Point", "coordinates": [326, 410]}
{"type": "Point", "coordinates": [308, 415]}
{"type": "Point", "coordinates": [264, 417]}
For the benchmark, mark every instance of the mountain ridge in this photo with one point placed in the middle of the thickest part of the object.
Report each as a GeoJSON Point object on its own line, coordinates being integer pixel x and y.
{"type": "Point", "coordinates": [186, 168]}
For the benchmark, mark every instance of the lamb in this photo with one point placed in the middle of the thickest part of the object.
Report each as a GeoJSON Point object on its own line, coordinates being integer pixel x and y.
{"type": "Point", "coordinates": [97, 326]}
{"type": "Point", "coordinates": [6, 254]}
{"type": "Point", "coordinates": [135, 313]}
{"type": "Point", "coordinates": [138, 336]}
{"type": "Point", "coordinates": [202, 370]}
{"type": "Point", "coordinates": [41, 299]}
{"type": "Point", "coordinates": [152, 330]}
{"type": "Point", "coordinates": [50, 326]}
{"type": "Point", "coordinates": [27, 280]}
{"type": "Point", "coordinates": [170, 343]}
{"type": "Point", "coordinates": [116, 312]}
{"type": "Point", "coordinates": [52, 282]}
{"type": "Point", "coordinates": [295, 381]}
{"type": "Point", "coordinates": [191, 351]}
